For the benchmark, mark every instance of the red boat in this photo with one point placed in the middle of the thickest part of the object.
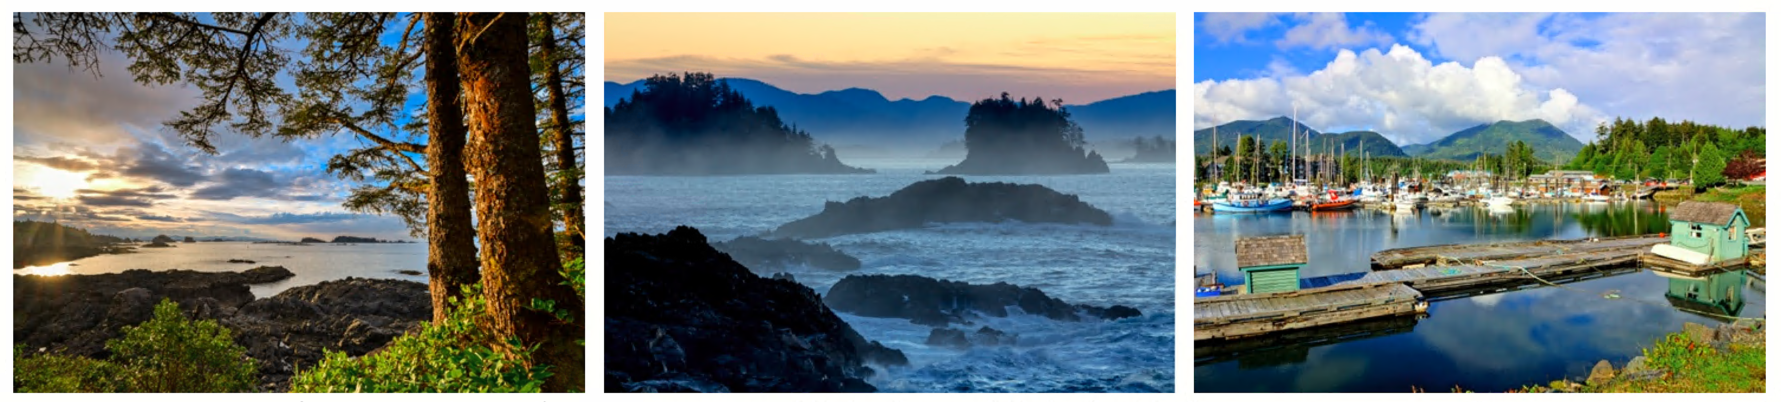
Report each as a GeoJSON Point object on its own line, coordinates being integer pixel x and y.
{"type": "Point", "coordinates": [1334, 203]}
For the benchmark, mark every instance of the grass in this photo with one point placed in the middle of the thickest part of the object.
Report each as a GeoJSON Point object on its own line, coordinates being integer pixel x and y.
{"type": "Point", "coordinates": [1750, 198]}
{"type": "Point", "coordinates": [1688, 367]}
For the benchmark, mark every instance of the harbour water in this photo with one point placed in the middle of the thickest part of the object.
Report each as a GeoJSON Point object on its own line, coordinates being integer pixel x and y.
{"type": "Point", "coordinates": [1493, 342]}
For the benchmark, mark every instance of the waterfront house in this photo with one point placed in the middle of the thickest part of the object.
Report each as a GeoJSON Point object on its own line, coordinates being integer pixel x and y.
{"type": "Point", "coordinates": [1713, 229]}
{"type": "Point", "coordinates": [1271, 263]}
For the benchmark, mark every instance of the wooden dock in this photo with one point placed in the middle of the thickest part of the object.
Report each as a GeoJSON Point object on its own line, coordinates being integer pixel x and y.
{"type": "Point", "coordinates": [1664, 264]}
{"type": "Point", "coordinates": [1464, 278]}
{"type": "Point", "coordinates": [1237, 316]}
{"type": "Point", "coordinates": [1464, 253]}
{"type": "Point", "coordinates": [1286, 345]}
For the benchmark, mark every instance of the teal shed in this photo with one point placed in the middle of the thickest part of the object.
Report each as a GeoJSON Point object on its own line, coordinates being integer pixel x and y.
{"type": "Point", "coordinates": [1271, 263]}
{"type": "Point", "coordinates": [1712, 228]}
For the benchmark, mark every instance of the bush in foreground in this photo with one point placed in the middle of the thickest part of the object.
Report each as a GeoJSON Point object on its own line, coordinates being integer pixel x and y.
{"type": "Point", "coordinates": [167, 353]}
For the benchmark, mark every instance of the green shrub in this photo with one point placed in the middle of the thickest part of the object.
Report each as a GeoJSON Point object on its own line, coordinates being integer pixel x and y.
{"type": "Point", "coordinates": [169, 353]}
{"type": "Point", "coordinates": [451, 357]}
{"type": "Point", "coordinates": [61, 374]}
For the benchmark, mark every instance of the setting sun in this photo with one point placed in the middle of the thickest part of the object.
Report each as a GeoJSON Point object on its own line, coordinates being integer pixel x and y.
{"type": "Point", "coordinates": [57, 183]}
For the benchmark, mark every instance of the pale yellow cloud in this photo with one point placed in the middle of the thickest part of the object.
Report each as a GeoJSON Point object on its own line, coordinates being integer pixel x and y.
{"type": "Point", "coordinates": [1085, 56]}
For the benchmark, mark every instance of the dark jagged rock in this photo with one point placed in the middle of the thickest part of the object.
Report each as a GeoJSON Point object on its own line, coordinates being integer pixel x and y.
{"type": "Point", "coordinates": [773, 254]}
{"type": "Point", "coordinates": [991, 337]}
{"type": "Point", "coordinates": [267, 274]}
{"type": "Point", "coordinates": [240, 261]}
{"type": "Point", "coordinates": [944, 200]}
{"type": "Point", "coordinates": [76, 314]}
{"type": "Point", "coordinates": [948, 337]}
{"type": "Point", "coordinates": [408, 272]}
{"type": "Point", "coordinates": [681, 316]}
{"type": "Point", "coordinates": [934, 302]}
{"type": "Point", "coordinates": [290, 331]}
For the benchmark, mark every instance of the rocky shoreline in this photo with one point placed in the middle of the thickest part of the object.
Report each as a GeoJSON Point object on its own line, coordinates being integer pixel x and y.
{"type": "Point", "coordinates": [946, 200]}
{"type": "Point", "coordinates": [683, 317]}
{"type": "Point", "coordinates": [76, 314]}
{"type": "Point", "coordinates": [940, 303]}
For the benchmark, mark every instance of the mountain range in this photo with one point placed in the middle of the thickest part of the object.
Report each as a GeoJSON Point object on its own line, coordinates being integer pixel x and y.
{"type": "Point", "coordinates": [858, 118]}
{"type": "Point", "coordinates": [1281, 128]}
{"type": "Point", "coordinates": [1549, 142]}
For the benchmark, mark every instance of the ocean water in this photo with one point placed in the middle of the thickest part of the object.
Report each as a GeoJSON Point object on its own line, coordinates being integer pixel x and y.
{"type": "Point", "coordinates": [1488, 343]}
{"type": "Point", "coordinates": [1129, 263]}
{"type": "Point", "coordinates": [311, 264]}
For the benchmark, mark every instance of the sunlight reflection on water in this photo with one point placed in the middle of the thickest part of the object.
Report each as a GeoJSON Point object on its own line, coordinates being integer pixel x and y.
{"type": "Point", "coordinates": [57, 269]}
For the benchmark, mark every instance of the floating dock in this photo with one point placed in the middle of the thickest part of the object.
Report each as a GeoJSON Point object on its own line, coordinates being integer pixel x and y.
{"type": "Point", "coordinates": [1464, 253]}
{"type": "Point", "coordinates": [1665, 264]}
{"type": "Point", "coordinates": [1237, 316]}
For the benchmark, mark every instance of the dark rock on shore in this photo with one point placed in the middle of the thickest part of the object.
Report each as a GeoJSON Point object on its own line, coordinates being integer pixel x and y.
{"type": "Point", "coordinates": [985, 336]}
{"type": "Point", "coordinates": [934, 302]}
{"type": "Point", "coordinates": [945, 200]}
{"type": "Point", "coordinates": [76, 314]}
{"type": "Point", "coordinates": [775, 254]}
{"type": "Point", "coordinates": [683, 317]}
{"type": "Point", "coordinates": [354, 315]}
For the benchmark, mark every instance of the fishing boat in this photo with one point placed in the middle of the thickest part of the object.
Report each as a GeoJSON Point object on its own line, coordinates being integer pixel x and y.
{"type": "Point", "coordinates": [1499, 201]}
{"type": "Point", "coordinates": [1254, 205]}
{"type": "Point", "coordinates": [1595, 198]}
{"type": "Point", "coordinates": [1335, 202]}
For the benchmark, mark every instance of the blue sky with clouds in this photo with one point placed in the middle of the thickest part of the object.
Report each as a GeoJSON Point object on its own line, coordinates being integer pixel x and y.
{"type": "Point", "coordinates": [1417, 77]}
{"type": "Point", "coordinates": [92, 152]}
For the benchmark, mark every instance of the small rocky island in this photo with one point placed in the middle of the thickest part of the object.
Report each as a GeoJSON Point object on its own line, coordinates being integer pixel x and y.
{"type": "Point", "coordinates": [940, 303]}
{"type": "Point", "coordinates": [1024, 137]}
{"type": "Point", "coordinates": [945, 200]}
{"type": "Point", "coordinates": [683, 317]}
{"type": "Point", "coordinates": [76, 314]}
{"type": "Point", "coordinates": [777, 254]}
{"type": "Point", "coordinates": [711, 130]}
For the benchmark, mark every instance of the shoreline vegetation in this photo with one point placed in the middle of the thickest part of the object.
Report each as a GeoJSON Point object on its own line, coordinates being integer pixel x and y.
{"type": "Point", "coordinates": [1023, 137]}
{"type": "Point", "coordinates": [694, 124]}
{"type": "Point", "coordinates": [502, 307]}
{"type": "Point", "coordinates": [1730, 357]}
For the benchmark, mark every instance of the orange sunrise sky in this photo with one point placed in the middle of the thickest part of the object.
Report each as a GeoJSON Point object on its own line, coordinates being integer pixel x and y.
{"type": "Point", "coordinates": [1080, 57]}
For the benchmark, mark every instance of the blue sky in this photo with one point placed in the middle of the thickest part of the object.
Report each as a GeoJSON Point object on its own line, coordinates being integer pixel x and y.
{"type": "Point", "coordinates": [1418, 77]}
{"type": "Point", "coordinates": [93, 153]}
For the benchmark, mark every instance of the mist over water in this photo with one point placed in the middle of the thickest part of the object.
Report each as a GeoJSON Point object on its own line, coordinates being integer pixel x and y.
{"type": "Point", "coordinates": [1129, 263]}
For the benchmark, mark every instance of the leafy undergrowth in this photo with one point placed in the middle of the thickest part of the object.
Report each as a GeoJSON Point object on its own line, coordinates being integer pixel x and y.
{"type": "Point", "coordinates": [167, 353]}
{"type": "Point", "coordinates": [1686, 366]}
{"type": "Point", "coordinates": [1694, 367]}
{"type": "Point", "coordinates": [1750, 198]}
{"type": "Point", "coordinates": [456, 356]}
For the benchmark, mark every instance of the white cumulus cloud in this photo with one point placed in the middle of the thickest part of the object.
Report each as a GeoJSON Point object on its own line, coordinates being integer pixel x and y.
{"type": "Point", "coordinates": [1399, 93]}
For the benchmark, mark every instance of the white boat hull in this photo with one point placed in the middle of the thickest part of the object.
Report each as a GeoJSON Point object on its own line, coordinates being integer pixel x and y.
{"type": "Point", "coordinates": [1680, 254]}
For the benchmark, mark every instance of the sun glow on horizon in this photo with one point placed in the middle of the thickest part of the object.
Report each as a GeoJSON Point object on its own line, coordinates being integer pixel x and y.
{"type": "Point", "coordinates": [57, 183]}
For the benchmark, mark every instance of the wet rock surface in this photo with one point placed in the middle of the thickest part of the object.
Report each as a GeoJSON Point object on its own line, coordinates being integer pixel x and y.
{"type": "Point", "coordinates": [946, 200]}
{"type": "Point", "coordinates": [76, 314]}
{"type": "Point", "coordinates": [683, 317]}
{"type": "Point", "coordinates": [765, 255]}
{"type": "Point", "coordinates": [939, 303]}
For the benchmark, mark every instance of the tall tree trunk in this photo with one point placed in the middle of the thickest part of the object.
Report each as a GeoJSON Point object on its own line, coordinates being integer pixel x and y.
{"type": "Point", "coordinates": [451, 240]}
{"type": "Point", "coordinates": [519, 254]}
{"type": "Point", "coordinates": [565, 142]}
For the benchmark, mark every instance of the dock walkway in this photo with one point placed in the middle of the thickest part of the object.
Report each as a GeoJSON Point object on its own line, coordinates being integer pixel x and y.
{"type": "Point", "coordinates": [1236, 316]}
{"type": "Point", "coordinates": [1435, 255]}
